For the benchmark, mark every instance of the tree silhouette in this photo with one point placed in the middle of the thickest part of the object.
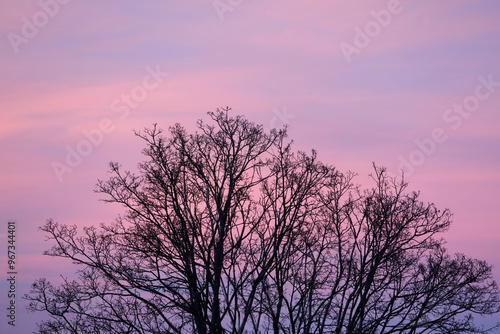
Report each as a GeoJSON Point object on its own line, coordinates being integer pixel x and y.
{"type": "Point", "coordinates": [229, 231]}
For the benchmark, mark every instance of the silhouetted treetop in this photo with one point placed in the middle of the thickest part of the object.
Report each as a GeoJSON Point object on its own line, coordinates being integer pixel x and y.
{"type": "Point", "coordinates": [228, 230]}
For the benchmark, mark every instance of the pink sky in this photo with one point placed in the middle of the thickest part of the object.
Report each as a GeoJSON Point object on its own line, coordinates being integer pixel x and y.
{"type": "Point", "coordinates": [275, 62]}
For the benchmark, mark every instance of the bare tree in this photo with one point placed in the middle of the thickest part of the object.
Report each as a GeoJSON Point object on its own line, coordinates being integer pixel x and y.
{"type": "Point", "coordinates": [229, 231]}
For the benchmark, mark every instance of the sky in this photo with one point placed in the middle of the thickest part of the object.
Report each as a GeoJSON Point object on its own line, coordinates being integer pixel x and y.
{"type": "Point", "coordinates": [410, 85]}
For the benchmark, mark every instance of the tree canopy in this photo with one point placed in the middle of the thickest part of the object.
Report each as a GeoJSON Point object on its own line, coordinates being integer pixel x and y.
{"type": "Point", "coordinates": [228, 230]}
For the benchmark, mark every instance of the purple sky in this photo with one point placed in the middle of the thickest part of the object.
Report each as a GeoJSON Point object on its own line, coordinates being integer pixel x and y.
{"type": "Point", "coordinates": [406, 84]}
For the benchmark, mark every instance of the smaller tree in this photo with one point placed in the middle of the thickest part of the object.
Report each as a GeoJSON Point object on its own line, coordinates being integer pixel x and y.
{"type": "Point", "coordinates": [229, 231]}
